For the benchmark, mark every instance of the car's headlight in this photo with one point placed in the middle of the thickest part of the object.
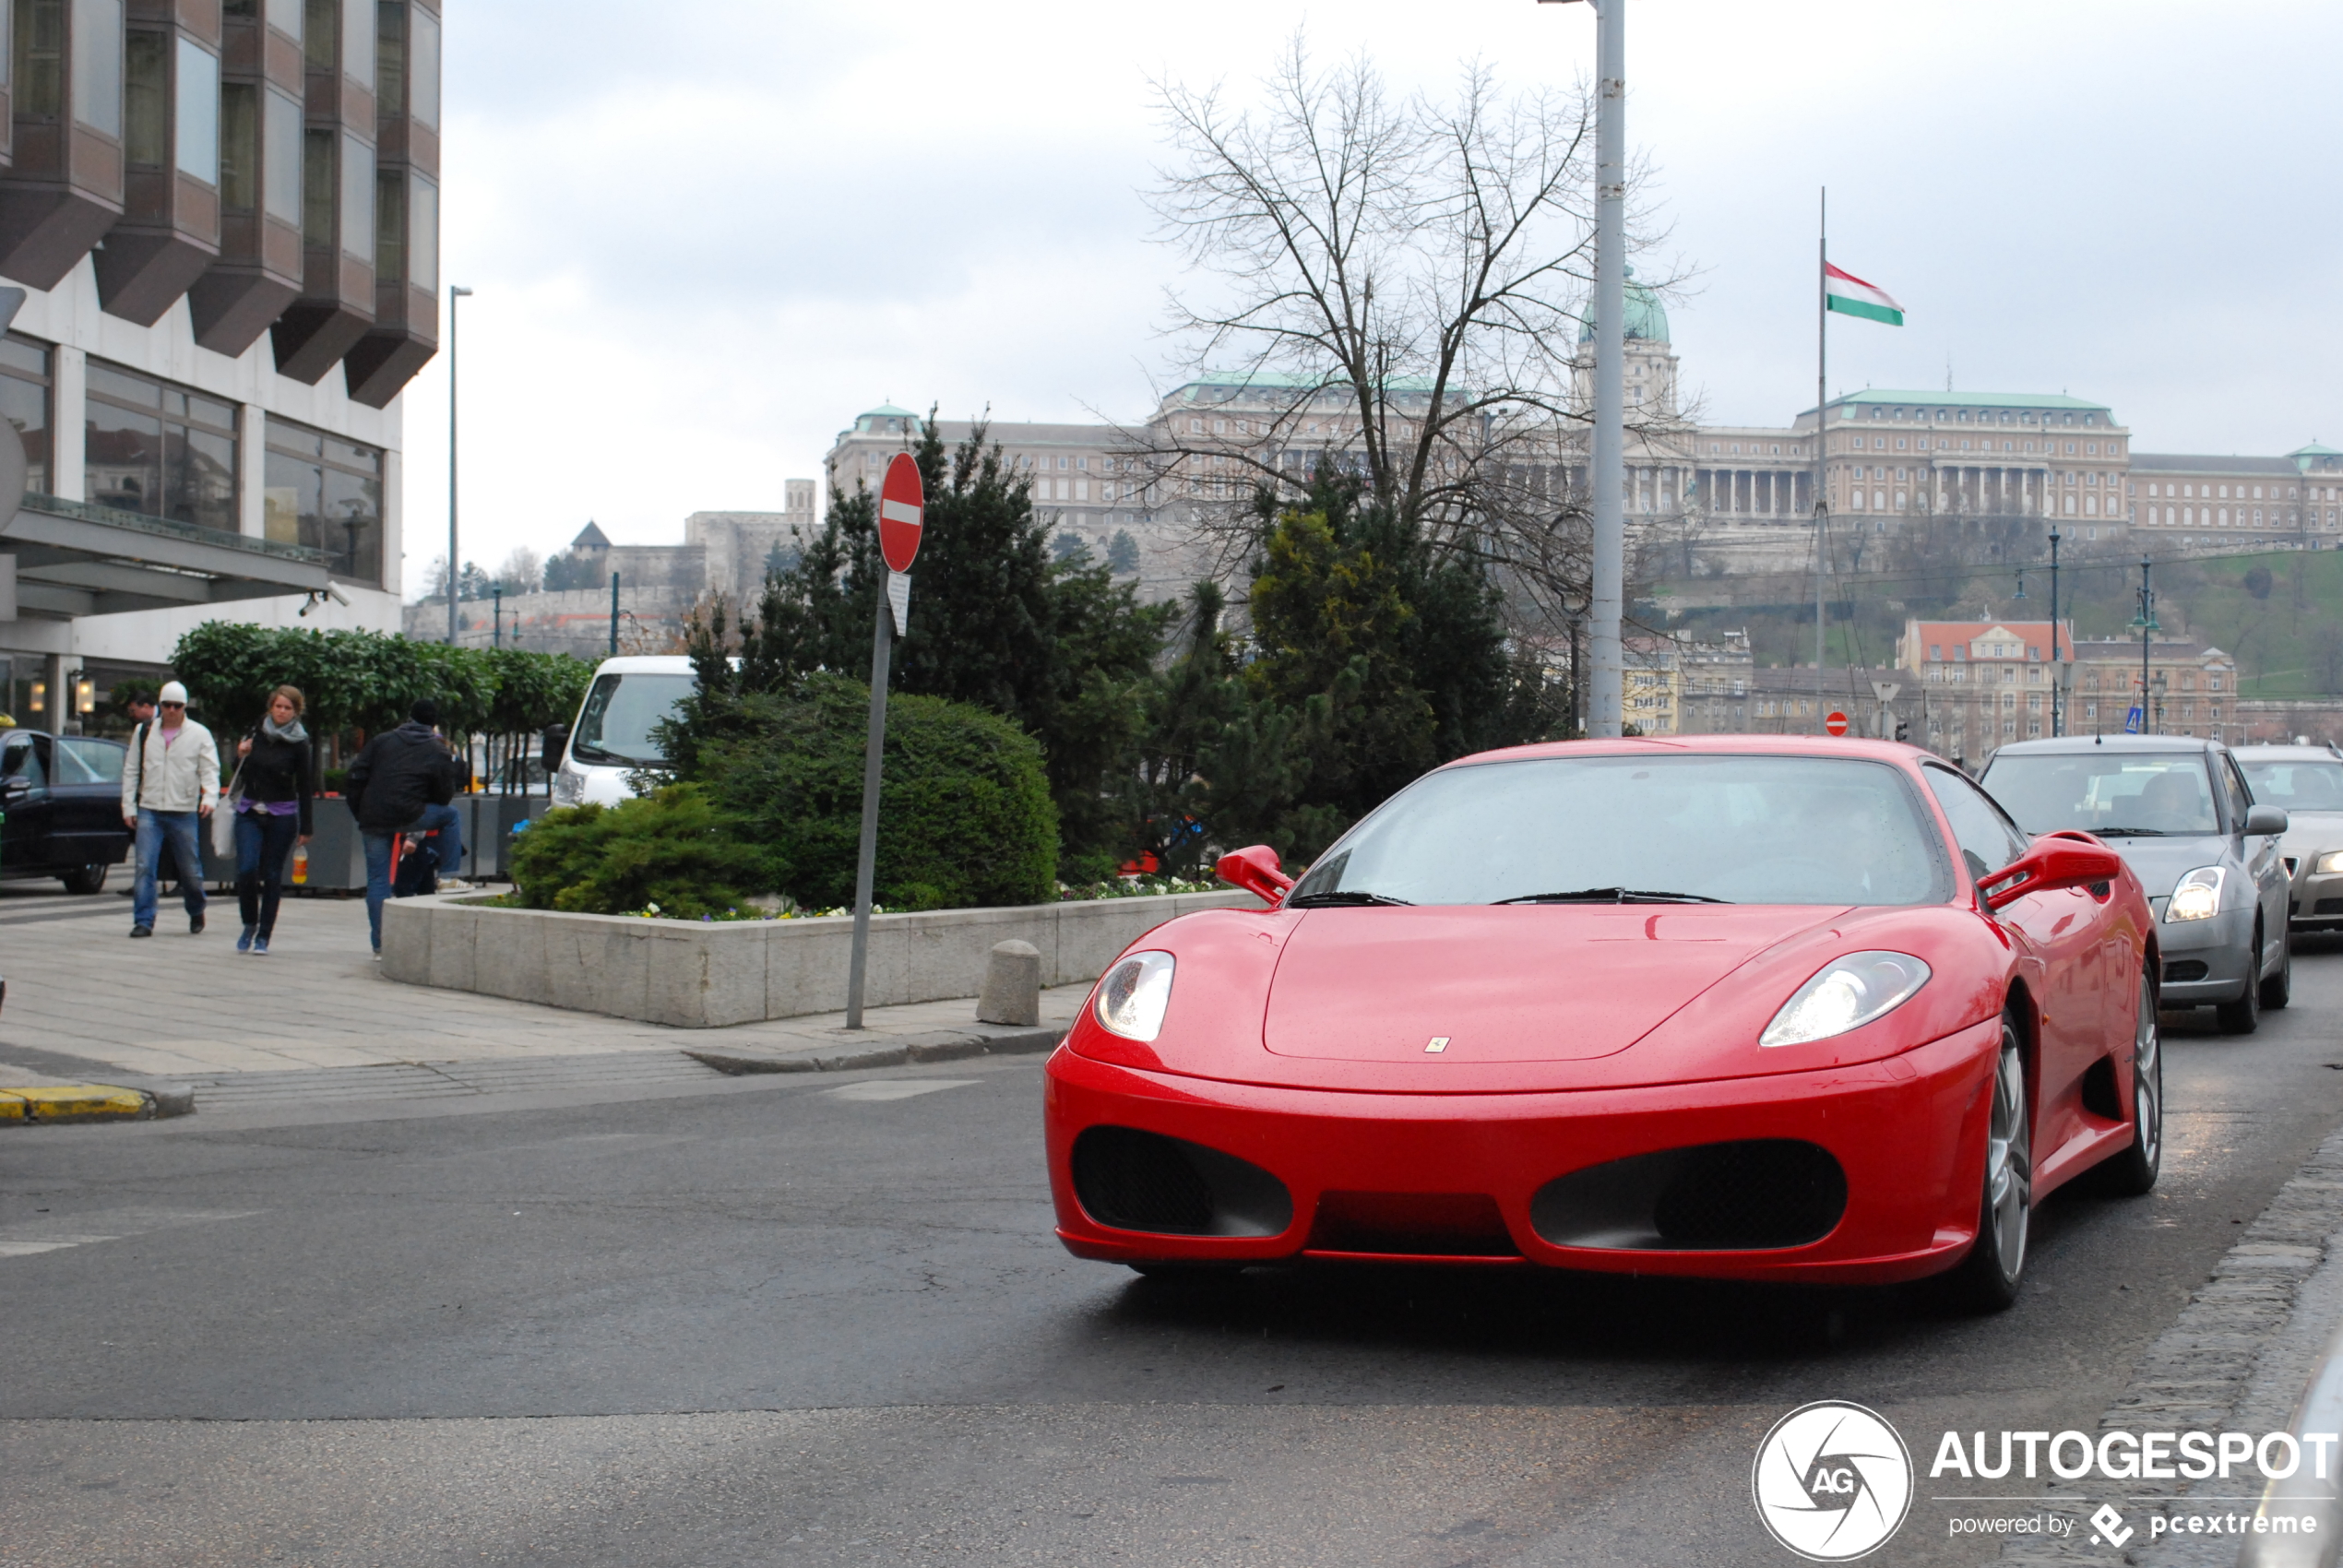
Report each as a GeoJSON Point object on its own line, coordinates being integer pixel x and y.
{"type": "Point", "coordinates": [2328, 864]}
{"type": "Point", "coordinates": [1134, 994]}
{"type": "Point", "coordinates": [2198, 896]}
{"type": "Point", "coordinates": [1848, 993]}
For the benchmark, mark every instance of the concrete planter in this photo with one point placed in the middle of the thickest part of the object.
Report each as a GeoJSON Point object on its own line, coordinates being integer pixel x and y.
{"type": "Point", "coordinates": [705, 975]}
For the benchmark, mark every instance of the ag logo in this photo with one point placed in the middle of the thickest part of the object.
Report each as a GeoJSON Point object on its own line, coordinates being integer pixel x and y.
{"type": "Point", "coordinates": [1832, 1481]}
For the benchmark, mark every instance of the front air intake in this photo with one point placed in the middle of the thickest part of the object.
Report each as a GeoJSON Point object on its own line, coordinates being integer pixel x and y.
{"type": "Point", "coordinates": [1135, 1180]}
{"type": "Point", "coordinates": [1751, 1195]}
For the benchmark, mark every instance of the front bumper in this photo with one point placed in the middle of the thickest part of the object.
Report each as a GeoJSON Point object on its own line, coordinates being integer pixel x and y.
{"type": "Point", "coordinates": [1909, 1131]}
{"type": "Point", "coordinates": [2205, 961]}
{"type": "Point", "coordinates": [2315, 902]}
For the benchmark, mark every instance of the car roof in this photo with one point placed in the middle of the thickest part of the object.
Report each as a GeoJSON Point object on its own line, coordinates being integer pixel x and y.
{"type": "Point", "coordinates": [2068, 745]}
{"type": "Point", "coordinates": [646, 664]}
{"type": "Point", "coordinates": [2286, 753]}
{"type": "Point", "coordinates": [1745, 745]}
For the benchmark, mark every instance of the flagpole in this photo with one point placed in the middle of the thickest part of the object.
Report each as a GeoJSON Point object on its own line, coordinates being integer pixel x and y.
{"type": "Point", "coordinates": [1822, 385]}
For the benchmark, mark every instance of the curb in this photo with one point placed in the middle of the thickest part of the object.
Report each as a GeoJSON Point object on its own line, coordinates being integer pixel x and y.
{"type": "Point", "coordinates": [946, 1045]}
{"type": "Point", "coordinates": [52, 1104]}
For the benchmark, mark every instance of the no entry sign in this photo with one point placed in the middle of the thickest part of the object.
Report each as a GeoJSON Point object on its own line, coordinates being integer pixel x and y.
{"type": "Point", "coordinates": [902, 507]}
{"type": "Point", "coordinates": [1836, 723]}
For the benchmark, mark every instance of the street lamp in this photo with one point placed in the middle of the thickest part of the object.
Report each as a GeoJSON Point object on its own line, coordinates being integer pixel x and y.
{"type": "Point", "coordinates": [2143, 624]}
{"type": "Point", "coordinates": [2058, 688]}
{"type": "Point", "coordinates": [454, 292]}
{"type": "Point", "coordinates": [1603, 715]}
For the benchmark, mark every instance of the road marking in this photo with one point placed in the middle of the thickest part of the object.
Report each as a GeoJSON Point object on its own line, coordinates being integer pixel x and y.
{"type": "Point", "coordinates": [28, 1237]}
{"type": "Point", "coordinates": [898, 1088]}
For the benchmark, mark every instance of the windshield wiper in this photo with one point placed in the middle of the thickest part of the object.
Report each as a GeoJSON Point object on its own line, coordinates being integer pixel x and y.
{"type": "Point", "coordinates": [1614, 895]}
{"type": "Point", "coordinates": [1346, 896]}
{"type": "Point", "coordinates": [2133, 833]}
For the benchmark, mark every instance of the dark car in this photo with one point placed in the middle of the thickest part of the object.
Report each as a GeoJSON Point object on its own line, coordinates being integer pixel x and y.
{"type": "Point", "coordinates": [2181, 812]}
{"type": "Point", "coordinates": [61, 797]}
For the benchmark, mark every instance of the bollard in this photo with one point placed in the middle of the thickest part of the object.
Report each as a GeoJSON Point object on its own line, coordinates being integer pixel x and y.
{"type": "Point", "coordinates": [1012, 985]}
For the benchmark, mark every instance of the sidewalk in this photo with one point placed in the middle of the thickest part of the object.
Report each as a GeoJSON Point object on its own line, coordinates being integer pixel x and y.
{"type": "Point", "coordinates": [316, 1016]}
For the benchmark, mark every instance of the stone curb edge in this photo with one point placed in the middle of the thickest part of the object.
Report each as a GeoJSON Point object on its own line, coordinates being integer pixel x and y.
{"type": "Point", "coordinates": [50, 1105]}
{"type": "Point", "coordinates": [945, 1045]}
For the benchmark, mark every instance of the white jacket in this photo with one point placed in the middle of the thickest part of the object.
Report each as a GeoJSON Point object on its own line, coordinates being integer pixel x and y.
{"type": "Point", "coordinates": [178, 775]}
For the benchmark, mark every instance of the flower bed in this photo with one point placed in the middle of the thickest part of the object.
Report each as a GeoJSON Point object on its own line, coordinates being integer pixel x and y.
{"type": "Point", "coordinates": [697, 974]}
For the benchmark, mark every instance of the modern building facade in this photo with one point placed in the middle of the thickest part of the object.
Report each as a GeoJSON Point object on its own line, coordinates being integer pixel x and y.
{"type": "Point", "coordinates": [225, 218]}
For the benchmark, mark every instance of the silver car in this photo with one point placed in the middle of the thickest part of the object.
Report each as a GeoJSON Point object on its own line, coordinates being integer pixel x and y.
{"type": "Point", "coordinates": [2181, 812]}
{"type": "Point", "coordinates": [2308, 782]}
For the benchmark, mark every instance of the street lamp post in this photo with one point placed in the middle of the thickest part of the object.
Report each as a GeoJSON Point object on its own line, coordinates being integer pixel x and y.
{"type": "Point", "coordinates": [454, 292]}
{"type": "Point", "coordinates": [2145, 623]}
{"type": "Point", "coordinates": [2058, 699]}
{"type": "Point", "coordinates": [1603, 715]}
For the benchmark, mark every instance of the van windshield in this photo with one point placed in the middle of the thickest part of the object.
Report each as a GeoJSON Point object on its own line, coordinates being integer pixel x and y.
{"type": "Point", "coordinates": [615, 727]}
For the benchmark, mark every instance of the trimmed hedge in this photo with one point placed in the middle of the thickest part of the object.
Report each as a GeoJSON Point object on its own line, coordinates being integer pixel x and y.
{"type": "Point", "coordinates": [671, 847]}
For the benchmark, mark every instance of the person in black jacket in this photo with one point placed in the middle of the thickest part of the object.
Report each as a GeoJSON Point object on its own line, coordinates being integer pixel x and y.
{"type": "Point", "coordinates": [399, 778]}
{"type": "Point", "coordinates": [272, 814]}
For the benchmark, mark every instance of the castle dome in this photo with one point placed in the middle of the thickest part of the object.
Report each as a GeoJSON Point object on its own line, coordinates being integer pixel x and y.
{"type": "Point", "coordinates": [1644, 317]}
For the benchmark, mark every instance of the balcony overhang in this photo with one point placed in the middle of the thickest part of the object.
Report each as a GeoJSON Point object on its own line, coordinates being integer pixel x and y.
{"type": "Point", "coordinates": [74, 559]}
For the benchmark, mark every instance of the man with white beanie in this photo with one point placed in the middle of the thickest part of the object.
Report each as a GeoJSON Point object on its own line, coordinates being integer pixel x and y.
{"type": "Point", "coordinates": [169, 781]}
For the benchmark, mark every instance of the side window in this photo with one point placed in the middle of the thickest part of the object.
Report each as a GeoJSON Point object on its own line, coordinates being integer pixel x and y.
{"type": "Point", "coordinates": [2241, 798]}
{"type": "Point", "coordinates": [21, 761]}
{"type": "Point", "coordinates": [1987, 840]}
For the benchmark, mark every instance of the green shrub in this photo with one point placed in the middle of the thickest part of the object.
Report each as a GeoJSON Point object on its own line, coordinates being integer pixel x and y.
{"type": "Point", "coordinates": [671, 847]}
{"type": "Point", "coordinates": [965, 814]}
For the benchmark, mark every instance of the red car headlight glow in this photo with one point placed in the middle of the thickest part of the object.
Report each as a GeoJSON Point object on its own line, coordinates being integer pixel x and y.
{"type": "Point", "coordinates": [1847, 993]}
{"type": "Point", "coordinates": [1132, 997]}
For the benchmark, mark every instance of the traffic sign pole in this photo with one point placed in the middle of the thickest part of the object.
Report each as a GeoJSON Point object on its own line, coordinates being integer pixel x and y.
{"type": "Point", "coordinates": [902, 508]}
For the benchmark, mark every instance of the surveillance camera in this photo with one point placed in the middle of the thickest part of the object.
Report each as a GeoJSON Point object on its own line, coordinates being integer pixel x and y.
{"type": "Point", "coordinates": [336, 595]}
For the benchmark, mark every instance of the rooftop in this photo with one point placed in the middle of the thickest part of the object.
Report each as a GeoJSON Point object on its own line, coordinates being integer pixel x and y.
{"type": "Point", "coordinates": [2185, 462]}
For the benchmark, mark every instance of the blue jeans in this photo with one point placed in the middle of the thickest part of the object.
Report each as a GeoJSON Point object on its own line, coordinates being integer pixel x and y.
{"type": "Point", "coordinates": [263, 840]}
{"type": "Point", "coordinates": [381, 854]}
{"type": "Point", "coordinates": [449, 823]}
{"type": "Point", "coordinates": [178, 829]}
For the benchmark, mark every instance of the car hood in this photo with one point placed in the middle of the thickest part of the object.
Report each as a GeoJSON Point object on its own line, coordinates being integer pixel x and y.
{"type": "Point", "coordinates": [1549, 982]}
{"type": "Point", "coordinates": [2160, 863]}
{"type": "Point", "coordinates": [2311, 833]}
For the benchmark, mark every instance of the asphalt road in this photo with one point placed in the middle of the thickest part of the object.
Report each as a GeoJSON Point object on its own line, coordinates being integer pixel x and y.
{"type": "Point", "coordinates": [807, 1320]}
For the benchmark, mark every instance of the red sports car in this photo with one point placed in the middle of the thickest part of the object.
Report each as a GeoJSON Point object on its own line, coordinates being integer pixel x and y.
{"type": "Point", "coordinates": [1749, 1007]}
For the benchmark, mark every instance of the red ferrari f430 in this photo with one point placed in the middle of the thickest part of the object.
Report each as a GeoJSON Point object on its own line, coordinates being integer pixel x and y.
{"type": "Point", "coordinates": [1738, 1007]}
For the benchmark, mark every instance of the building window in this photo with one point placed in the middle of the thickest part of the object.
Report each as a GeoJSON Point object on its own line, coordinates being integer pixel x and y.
{"type": "Point", "coordinates": [281, 178]}
{"type": "Point", "coordinates": [328, 493]}
{"type": "Point", "coordinates": [24, 402]}
{"type": "Point", "coordinates": [198, 112]}
{"type": "Point", "coordinates": [97, 72]}
{"type": "Point", "coordinates": [160, 450]}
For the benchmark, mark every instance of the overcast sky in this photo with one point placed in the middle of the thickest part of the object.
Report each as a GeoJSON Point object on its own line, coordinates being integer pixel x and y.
{"type": "Point", "coordinates": [705, 235]}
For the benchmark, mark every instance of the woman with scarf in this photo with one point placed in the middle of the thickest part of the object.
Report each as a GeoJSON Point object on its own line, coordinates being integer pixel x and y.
{"type": "Point", "coordinates": [273, 814]}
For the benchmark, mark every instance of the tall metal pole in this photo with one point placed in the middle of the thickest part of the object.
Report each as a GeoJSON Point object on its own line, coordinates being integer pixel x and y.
{"type": "Point", "coordinates": [2148, 626]}
{"type": "Point", "coordinates": [613, 615]}
{"type": "Point", "coordinates": [454, 572]}
{"type": "Point", "coordinates": [1821, 415]}
{"type": "Point", "coordinates": [866, 857]}
{"type": "Point", "coordinates": [2057, 693]}
{"type": "Point", "coordinates": [1608, 603]}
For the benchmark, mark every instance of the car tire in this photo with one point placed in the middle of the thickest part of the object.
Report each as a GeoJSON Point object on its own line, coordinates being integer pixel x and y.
{"type": "Point", "coordinates": [2244, 1016]}
{"type": "Point", "coordinates": [86, 879]}
{"type": "Point", "coordinates": [2132, 1172]}
{"type": "Point", "coordinates": [1987, 1280]}
{"type": "Point", "coordinates": [2279, 989]}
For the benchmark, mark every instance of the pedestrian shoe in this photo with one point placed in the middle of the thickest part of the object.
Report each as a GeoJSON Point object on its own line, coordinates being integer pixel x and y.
{"type": "Point", "coordinates": [243, 942]}
{"type": "Point", "coordinates": [260, 947]}
{"type": "Point", "coordinates": [137, 931]}
{"type": "Point", "coordinates": [194, 925]}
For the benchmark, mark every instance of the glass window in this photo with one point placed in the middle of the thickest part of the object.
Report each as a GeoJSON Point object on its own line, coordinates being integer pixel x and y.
{"type": "Point", "coordinates": [391, 54]}
{"type": "Point", "coordinates": [1987, 840]}
{"type": "Point", "coordinates": [37, 55]}
{"type": "Point", "coordinates": [326, 494]}
{"type": "Point", "coordinates": [20, 759]}
{"type": "Point", "coordinates": [2127, 794]}
{"type": "Point", "coordinates": [281, 178]}
{"type": "Point", "coordinates": [159, 450]}
{"type": "Point", "coordinates": [90, 762]}
{"type": "Point", "coordinates": [2241, 798]}
{"type": "Point", "coordinates": [1736, 829]}
{"type": "Point", "coordinates": [357, 198]}
{"type": "Point", "coordinates": [2315, 786]}
{"type": "Point", "coordinates": [357, 41]}
{"type": "Point", "coordinates": [390, 226]}
{"type": "Point", "coordinates": [147, 98]}
{"type": "Point", "coordinates": [423, 237]}
{"type": "Point", "coordinates": [423, 67]}
{"type": "Point", "coordinates": [317, 22]}
{"type": "Point", "coordinates": [198, 114]}
{"type": "Point", "coordinates": [285, 17]}
{"type": "Point", "coordinates": [614, 724]}
{"type": "Point", "coordinates": [97, 65]}
{"type": "Point", "coordinates": [239, 146]}
{"type": "Point", "coordinates": [317, 187]}
{"type": "Point", "coordinates": [24, 403]}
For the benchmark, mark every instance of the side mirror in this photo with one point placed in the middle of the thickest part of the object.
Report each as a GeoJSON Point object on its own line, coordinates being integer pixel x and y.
{"type": "Point", "coordinates": [2056, 860]}
{"type": "Point", "coordinates": [550, 746]}
{"type": "Point", "coordinates": [2260, 819]}
{"type": "Point", "coordinates": [1255, 871]}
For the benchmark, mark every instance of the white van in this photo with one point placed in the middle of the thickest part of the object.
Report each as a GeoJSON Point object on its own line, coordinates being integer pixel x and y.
{"type": "Point", "coordinates": [612, 738]}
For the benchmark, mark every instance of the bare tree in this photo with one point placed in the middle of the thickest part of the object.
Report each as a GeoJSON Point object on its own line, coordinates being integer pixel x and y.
{"type": "Point", "coordinates": [523, 571]}
{"type": "Point", "coordinates": [1393, 286]}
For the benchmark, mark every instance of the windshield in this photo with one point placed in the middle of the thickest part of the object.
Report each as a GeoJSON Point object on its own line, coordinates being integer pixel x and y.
{"type": "Point", "coordinates": [2307, 786]}
{"type": "Point", "coordinates": [615, 727]}
{"type": "Point", "coordinates": [1734, 829]}
{"type": "Point", "coordinates": [2105, 792]}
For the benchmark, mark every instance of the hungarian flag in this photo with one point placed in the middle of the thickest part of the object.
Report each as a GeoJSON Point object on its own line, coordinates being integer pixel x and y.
{"type": "Point", "coordinates": [1849, 295]}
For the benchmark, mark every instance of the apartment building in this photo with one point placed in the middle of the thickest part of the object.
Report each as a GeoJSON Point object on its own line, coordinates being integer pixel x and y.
{"type": "Point", "coordinates": [225, 222]}
{"type": "Point", "coordinates": [2201, 502]}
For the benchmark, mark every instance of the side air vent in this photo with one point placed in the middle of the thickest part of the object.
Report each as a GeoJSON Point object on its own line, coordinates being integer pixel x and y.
{"type": "Point", "coordinates": [1755, 1194]}
{"type": "Point", "coordinates": [2182, 970]}
{"type": "Point", "coordinates": [1135, 1180]}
